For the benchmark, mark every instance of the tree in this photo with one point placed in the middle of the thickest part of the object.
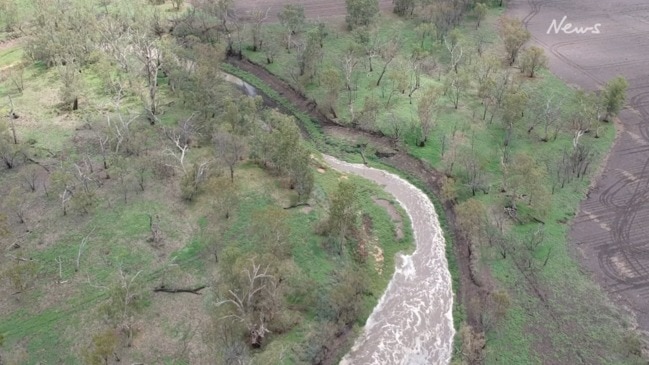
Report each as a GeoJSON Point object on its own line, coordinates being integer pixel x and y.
{"type": "Point", "coordinates": [514, 35]}
{"type": "Point", "coordinates": [586, 110]}
{"type": "Point", "coordinates": [545, 110]}
{"type": "Point", "coordinates": [193, 179]}
{"type": "Point", "coordinates": [301, 175]}
{"type": "Point", "coordinates": [397, 82]}
{"type": "Point", "coordinates": [473, 343]}
{"type": "Point", "coordinates": [456, 85]}
{"type": "Point", "coordinates": [395, 127]}
{"type": "Point", "coordinates": [30, 175]}
{"type": "Point", "coordinates": [513, 107]}
{"type": "Point", "coordinates": [205, 88]}
{"type": "Point", "coordinates": [293, 19]}
{"type": "Point", "coordinates": [474, 166]}
{"type": "Point", "coordinates": [480, 11]}
{"type": "Point", "coordinates": [102, 347]}
{"type": "Point", "coordinates": [149, 53]}
{"type": "Point", "coordinates": [404, 7]}
{"type": "Point", "coordinates": [17, 77]}
{"type": "Point", "coordinates": [532, 60]}
{"type": "Point", "coordinates": [123, 173]}
{"type": "Point", "coordinates": [11, 116]}
{"type": "Point", "coordinates": [471, 217]}
{"type": "Point", "coordinates": [126, 296]}
{"type": "Point", "coordinates": [454, 46]}
{"type": "Point", "coordinates": [368, 40]}
{"type": "Point", "coordinates": [65, 31]}
{"type": "Point", "coordinates": [361, 12]}
{"type": "Point", "coordinates": [70, 75]}
{"type": "Point", "coordinates": [20, 274]}
{"type": "Point", "coordinates": [348, 63]}
{"type": "Point", "coordinates": [309, 56]}
{"type": "Point", "coordinates": [251, 303]}
{"type": "Point", "coordinates": [344, 302]}
{"type": "Point", "coordinates": [62, 181]}
{"type": "Point", "coordinates": [332, 82]}
{"type": "Point", "coordinates": [613, 96]}
{"type": "Point", "coordinates": [223, 195]}
{"type": "Point", "coordinates": [17, 203]}
{"type": "Point", "coordinates": [425, 111]}
{"type": "Point", "coordinates": [258, 18]}
{"type": "Point", "coordinates": [10, 154]}
{"type": "Point", "coordinates": [388, 51]}
{"type": "Point", "coordinates": [342, 213]}
{"type": "Point", "coordinates": [273, 45]}
{"type": "Point", "coordinates": [230, 149]}
{"type": "Point", "coordinates": [283, 141]}
{"type": "Point", "coordinates": [10, 15]}
{"type": "Point", "coordinates": [524, 177]}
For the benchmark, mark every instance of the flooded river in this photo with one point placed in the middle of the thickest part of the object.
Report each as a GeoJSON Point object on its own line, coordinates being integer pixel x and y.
{"type": "Point", "coordinates": [412, 323]}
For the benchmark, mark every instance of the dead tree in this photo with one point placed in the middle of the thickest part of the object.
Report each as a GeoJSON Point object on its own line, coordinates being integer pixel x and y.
{"type": "Point", "coordinates": [243, 303]}
{"type": "Point", "coordinates": [83, 243]}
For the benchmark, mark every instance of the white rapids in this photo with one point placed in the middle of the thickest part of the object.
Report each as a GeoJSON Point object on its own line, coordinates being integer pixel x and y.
{"type": "Point", "coordinates": [413, 322]}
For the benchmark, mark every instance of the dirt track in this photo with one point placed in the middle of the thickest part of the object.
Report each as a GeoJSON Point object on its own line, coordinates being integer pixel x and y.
{"type": "Point", "coordinates": [611, 230]}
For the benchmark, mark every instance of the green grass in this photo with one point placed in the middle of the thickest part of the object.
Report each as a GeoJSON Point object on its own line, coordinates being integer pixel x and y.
{"type": "Point", "coordinates": [10, 56]}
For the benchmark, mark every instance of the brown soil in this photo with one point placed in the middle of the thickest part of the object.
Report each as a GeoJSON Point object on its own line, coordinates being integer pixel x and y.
{"type": "Point", "coordinates": [610, 232]}
{"type": "Point", "coordinates": [468, 292]}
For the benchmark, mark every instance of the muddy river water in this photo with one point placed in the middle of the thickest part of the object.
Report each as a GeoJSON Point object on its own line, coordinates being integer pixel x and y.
{"type": "Point", "coordinates": [412, 323]}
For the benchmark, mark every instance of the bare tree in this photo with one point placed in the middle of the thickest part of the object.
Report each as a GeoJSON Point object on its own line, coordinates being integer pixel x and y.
{"type": "Point", "coordinates": [149, 53]}
{"type": "Point", "coordinates": [82, 245]}
{"type": "Point", "coordinates": [244, 302]}
{"type": "Point", "coordinates": [455, 51]}
{"type": "Point", "coordinates": [257, 18]}
{"type": "Point", "coordinates": [31, 176]}
{"type": "Point", "coordinates": [348, 63]}
{"type": "Point", "coordinates": [180, 147]}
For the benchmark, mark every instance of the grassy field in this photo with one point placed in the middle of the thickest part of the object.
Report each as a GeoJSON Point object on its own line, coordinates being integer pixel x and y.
{"type": "Point", "coordinates": [558, 316]}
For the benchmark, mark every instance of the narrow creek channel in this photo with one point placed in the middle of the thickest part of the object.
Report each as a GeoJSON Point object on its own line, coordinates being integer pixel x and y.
{"type": "Point", "coordinates": [413, 321]}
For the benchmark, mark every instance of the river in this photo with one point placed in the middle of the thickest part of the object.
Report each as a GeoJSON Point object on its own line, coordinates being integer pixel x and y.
{"type": "Point", "coordinates": [413, 321]}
